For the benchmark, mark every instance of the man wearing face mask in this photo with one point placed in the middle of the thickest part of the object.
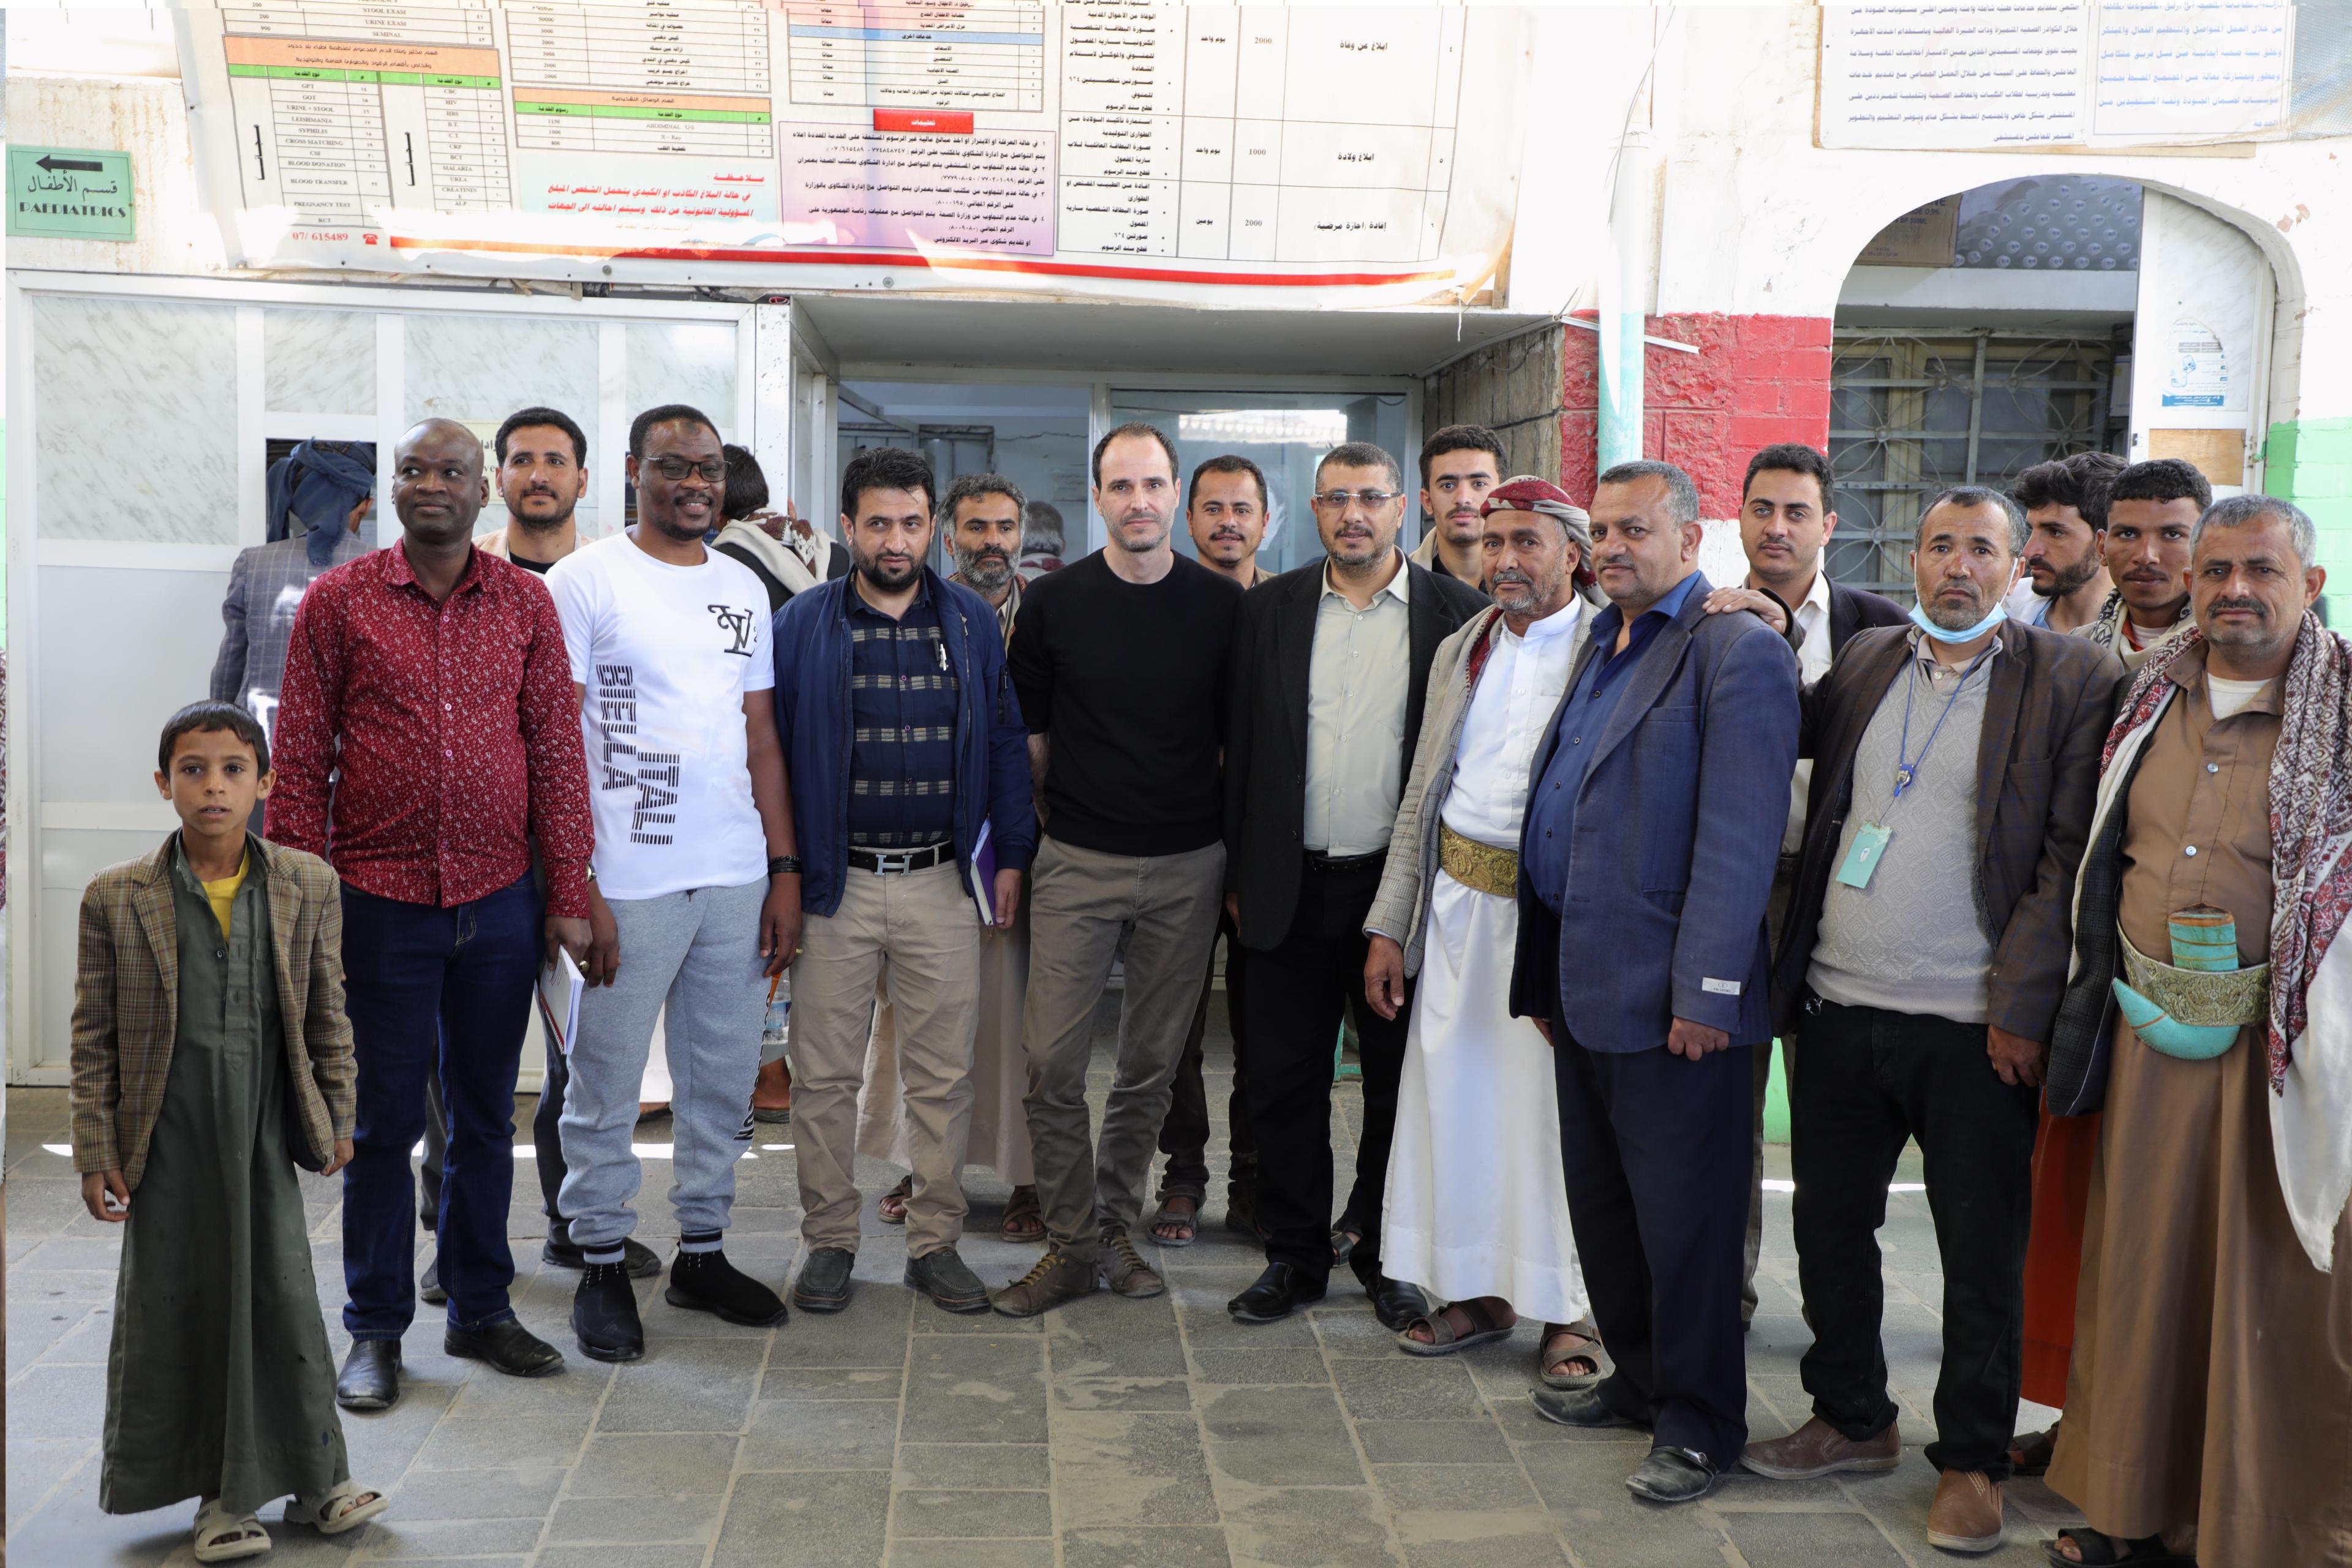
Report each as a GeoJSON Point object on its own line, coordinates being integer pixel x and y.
{"type": "Point", "coordinates": [1922, 963]}
{"type": "Point", "coordinates": [980, 516]}
{"type": "Point", "coordinates": [696, 887]}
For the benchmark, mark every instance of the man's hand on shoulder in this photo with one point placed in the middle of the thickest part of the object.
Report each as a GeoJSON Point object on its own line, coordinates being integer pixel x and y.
{"type": "Point", "coordinates": [1765, 608]}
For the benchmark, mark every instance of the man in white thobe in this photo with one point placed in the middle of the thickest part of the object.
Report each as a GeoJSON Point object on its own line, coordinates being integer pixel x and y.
{"type": "Point", "coordinates": [1477, 1210]}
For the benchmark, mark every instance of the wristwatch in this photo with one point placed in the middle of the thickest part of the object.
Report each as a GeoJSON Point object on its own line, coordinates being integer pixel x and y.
{"type": "Point", "coordinates": [783, 865]}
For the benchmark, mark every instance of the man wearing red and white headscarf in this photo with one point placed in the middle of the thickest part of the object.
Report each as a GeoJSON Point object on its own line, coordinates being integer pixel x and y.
{"type": "Point", "coordinates": [1477, 1205]}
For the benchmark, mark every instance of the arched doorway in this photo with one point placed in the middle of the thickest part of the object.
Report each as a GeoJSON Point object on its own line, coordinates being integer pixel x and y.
{"type": "Point", "coordinates": [2028, 319]}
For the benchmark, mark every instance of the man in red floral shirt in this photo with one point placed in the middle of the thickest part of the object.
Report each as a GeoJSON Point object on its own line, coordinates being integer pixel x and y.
{"type": "Point", "coordinates": [428, 736]}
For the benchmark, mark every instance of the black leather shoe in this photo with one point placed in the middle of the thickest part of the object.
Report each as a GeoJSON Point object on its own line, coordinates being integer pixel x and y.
{"type": "Point", "coordinates": [428, 1285]}
{"type": "Point", "coordinates": [948, 1281]}
{"type": "Point", "coordinates": [823, 1284]}
{"type": "Point", "coordinates": [1576, 1407]}
{"type": "Point", "coordinates": [706, 1283]}
{"type": "Point", "coordinates": [506, 1345]}
{"type": "Point", "coordinates": [1275, 1295]}
{"type": "Point", "coordinates": [604, 1314]}
{"type": "Point", "coordinates": [1395, 1303]}
{"type": "Point", "coordinates": [371, 1376]}
{"type": "Point", "coordinates": [639, 1260]}
{"type": "Point", "coordinates": [1673, 1475]}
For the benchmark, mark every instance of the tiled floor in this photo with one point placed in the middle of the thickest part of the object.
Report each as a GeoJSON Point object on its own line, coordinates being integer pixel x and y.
{"type": "Point", "coordinates": [1110, 1433]}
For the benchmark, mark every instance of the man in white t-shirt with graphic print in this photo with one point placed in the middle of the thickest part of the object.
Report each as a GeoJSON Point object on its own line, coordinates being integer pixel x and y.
{"type": "Point", "coordinates": [694, 887]}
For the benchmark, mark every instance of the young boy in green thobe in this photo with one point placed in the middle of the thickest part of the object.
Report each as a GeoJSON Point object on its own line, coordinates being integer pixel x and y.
{"type": "Point", "coordinates": [211, 1056]}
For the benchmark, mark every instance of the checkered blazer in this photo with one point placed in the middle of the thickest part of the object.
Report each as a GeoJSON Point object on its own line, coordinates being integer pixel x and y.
{"type": "Point", "coordinates": [126, 1005]}
{"type": "Point", "coordinates": [266, 586]}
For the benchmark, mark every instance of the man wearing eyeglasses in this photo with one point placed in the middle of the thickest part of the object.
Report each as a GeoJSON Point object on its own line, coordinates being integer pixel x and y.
{"type": "Point", "coordinates": [1333, 662]}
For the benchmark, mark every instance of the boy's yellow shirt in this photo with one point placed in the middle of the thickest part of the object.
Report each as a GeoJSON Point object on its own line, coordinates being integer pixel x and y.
{"type": "Point", "coordinates": [222, 894]}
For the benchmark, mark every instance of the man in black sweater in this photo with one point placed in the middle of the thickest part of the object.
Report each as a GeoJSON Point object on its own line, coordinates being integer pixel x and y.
{"type": "Point", "coordinates": [1120, 662]}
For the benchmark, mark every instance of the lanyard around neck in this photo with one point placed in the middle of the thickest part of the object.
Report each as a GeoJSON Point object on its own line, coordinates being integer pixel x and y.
{"type": "Point", "coordinates": [1907, 768]}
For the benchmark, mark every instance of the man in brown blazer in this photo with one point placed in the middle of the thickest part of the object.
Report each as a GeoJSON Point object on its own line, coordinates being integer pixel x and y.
{"type": "Point", "coordinates": [1954, 764]}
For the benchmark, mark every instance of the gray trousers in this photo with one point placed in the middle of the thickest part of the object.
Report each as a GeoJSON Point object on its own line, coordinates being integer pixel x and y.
{"type": "Point", "coordinates": [1083, 906]}
{"type": "Point", "coordinates": [697, 952]}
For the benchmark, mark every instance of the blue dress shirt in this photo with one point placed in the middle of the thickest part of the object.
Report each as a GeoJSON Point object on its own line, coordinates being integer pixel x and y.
{"type": "Point", "coordinates": [1583, 718]}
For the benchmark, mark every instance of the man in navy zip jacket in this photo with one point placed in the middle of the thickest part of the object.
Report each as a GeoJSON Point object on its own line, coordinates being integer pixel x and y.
{"type": "Point", "coordinates": [1646, 857]}
{"type": "Point", "coordinates": [906, 744]}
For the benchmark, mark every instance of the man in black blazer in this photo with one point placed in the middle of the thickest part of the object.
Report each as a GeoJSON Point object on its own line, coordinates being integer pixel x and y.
{"type": "Point", "coordinates": [1784, 520]}
{"type": "Point", "coordinates": [1330, 666]}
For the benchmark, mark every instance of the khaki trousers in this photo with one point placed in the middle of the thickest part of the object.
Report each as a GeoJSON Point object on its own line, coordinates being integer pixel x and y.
{"type": "Point", "coordinates": [921, 933]}
{"type": "Point", "coordinates": [1085, 907]}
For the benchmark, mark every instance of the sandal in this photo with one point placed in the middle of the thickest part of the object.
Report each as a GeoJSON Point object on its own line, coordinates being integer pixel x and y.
{"type": "Point", "coordinates": [1188, 1226]}
{"type": "Point", "coordinates": [1485, 1329]}
{"type": "Point", "coordinates": [2032, 1456]}
{"type": "Point", "coordinates": [1023, 1220]}
{"type": "Point", "coordinates": [345, 1508]}
{"type": "Point", "coordinates": [1345, 1236]}
{"type": "Point", "coordinates": [1586, 1348]}
{"type": "Point", "coordinates": [221, 1537]}
{"type": "Point", "coordinates": [890, 1208]}
{"type": "Point", "coordinates": [2099, 1552]}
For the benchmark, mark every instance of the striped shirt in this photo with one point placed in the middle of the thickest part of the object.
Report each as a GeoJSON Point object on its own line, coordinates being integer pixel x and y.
{"type": "Point", "coordinates": [902, 709]}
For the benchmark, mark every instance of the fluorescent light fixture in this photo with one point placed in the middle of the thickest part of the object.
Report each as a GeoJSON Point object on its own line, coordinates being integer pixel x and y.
{"type": "Point", "coordinates": [1265, 427]}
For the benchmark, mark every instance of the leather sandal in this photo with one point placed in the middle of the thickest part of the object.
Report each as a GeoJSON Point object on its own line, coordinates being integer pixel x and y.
{"type": "Point", "coordinates": [2099, 1552]}
{"type": "Point", "coordinates": [1188, 1224]}
{"type": "Point", "coordinates": [890, 1208]}
{"type": "Point", "coordinates": [1587, 1347]}
{"type": "Point", "coordinates": [1485, 1329]}
{"type": "Point", "coordinates": [1023, 1219]}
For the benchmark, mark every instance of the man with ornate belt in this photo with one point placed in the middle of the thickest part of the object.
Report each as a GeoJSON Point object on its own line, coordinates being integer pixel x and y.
{"type": "Point", "coordinates": [1477, 1207]}
{"type": "Point", "coordinates": [2209, 1381]}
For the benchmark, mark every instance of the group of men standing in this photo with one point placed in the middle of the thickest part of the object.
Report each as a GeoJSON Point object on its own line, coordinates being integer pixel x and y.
{"type": "Point", "coordinates": [1568, 831]}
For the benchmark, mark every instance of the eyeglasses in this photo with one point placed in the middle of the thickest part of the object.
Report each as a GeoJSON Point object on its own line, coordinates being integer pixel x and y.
{"type": "Point", "coordinates": [678, 468]}
{"type": "Point", "coordinates": [1339, 500]}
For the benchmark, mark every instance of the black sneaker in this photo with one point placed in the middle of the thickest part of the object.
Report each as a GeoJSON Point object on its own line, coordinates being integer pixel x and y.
{"type": "Point", "coordinates": [604, 1314]}
{"type": "Point", "coordinates": [639, 1260]}
{"type": "Point", "coordinates": [706, 1283]}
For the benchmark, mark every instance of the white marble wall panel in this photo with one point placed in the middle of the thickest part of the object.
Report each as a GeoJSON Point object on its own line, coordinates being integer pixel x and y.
{"type": "Point", "coordinates": [319, 362]}
{"type": "Point", "coordinates": [135, 419]}
{"type": "Point", "coordinates": [479, 369]}
{"type": "Point", "coordinates": [684, 362]}
{"type": "Point", "coordinates": [121, 650]}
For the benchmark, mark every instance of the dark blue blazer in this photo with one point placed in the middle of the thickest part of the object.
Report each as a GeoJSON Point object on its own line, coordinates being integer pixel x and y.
{"type": "Point", "coordinates": [1678, 833]}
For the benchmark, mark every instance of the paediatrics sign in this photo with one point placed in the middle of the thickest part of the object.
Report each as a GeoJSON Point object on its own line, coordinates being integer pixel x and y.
{"type": "Point", "coordinates": [69, 192]}
{"type": "Point", "coordinates": [1117, 149]}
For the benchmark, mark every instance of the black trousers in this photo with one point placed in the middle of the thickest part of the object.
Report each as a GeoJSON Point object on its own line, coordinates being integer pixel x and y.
{"type": "Point", "coordinates": [1291, 1013]}
{"type": "Point", "coordinates": [1864, 1082]}
{"type": "Point", "coordinates": [1655, 1149]}
{"type": "Point", "coordinates": [1184, 1136]}
{"type": "Point", "coordinates": [545, 1144]}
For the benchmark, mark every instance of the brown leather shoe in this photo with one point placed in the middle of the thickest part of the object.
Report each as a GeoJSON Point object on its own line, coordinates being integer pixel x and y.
{"type": "Point", "coordinates": [1818, 1449]}
{"type": "Point", "coordinates": [1966, 1514]}
{"type": "Point", "coordinates": [1130, 1274]}
{"type": "Point", "coordinates": [1057, 1277]}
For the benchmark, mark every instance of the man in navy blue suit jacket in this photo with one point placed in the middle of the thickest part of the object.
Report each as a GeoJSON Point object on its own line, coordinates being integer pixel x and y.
{"type": "Point", "coordinates": [1653, 829]}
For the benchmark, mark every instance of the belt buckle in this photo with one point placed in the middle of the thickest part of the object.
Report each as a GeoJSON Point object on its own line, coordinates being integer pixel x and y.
{"type": "Point", "coordinates": [894, 865]}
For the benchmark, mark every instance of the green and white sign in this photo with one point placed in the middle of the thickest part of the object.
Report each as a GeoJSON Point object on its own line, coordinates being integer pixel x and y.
{"type": "Point", "coordinates": [68, 192]}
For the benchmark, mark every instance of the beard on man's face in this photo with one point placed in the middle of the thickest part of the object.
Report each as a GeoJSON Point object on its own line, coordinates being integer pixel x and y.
{"type": "Point", "coordinates": [987, 568]}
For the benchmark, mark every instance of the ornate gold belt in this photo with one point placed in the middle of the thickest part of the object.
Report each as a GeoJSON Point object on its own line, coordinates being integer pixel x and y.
{"type": "Point", "coordinates": [1481, 868]}
{"type": "Point", "coordinates": [2201, 998]}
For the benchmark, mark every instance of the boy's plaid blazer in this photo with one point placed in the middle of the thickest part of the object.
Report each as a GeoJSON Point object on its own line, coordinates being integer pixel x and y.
{"type": "Point", "coordinates": [126, 1005]}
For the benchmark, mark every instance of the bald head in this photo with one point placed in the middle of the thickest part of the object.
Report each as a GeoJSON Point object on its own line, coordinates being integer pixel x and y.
{"type": "Point", "coordinates": [438, 488]}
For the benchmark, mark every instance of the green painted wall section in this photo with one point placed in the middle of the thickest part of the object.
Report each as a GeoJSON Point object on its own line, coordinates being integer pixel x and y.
{"type": "Point", "coordinates": [2309, 462]}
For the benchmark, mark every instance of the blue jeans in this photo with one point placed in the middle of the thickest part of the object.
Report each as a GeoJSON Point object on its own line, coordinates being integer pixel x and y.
{"type": "Point", "coordinates": [444, 991]}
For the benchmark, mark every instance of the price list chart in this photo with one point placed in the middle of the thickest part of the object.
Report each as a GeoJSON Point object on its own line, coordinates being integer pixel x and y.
{"type": "Point", "coordinates": [344, 112]}
{"type": "Point", "coordinates": [628, 78]}
{"type": "Point", "coordinates": [923, 54]}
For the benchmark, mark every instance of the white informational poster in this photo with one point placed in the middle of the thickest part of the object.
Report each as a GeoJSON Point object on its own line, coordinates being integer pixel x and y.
{"type": "Point", "coordinates": [1916, 73]}
{"type": "Point", "coordinates": [966, 143]}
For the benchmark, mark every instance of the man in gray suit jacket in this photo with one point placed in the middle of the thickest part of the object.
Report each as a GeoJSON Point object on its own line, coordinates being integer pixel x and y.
{"type": "Point", "coordinates": [1652, 828]}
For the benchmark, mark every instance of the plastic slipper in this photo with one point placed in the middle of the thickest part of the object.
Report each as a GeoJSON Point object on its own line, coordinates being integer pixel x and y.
{"type": "Point", "coordinates": [1443, 1340]}
{"type": "Point", "coordinates": [1588, 1348]}
{"type": "Point", "coordinates": [900, 1195]}
{"type": "Point", "coordinates": [2099, 1552]}
{"type": "Point", "coordinates": [346, 1508]}
{"type": "Point", "coordinates": [222, 1537]}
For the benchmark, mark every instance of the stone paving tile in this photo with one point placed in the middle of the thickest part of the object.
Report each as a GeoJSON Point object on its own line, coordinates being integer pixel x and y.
{"type": "Point", "coordinates": [1108, 1433]}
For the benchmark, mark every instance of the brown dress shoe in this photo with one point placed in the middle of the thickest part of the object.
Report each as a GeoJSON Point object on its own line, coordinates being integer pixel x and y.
{"type": "Point", "coordinates": [1966, 1514]}
{"type": "Point", "coordinates": [1818, 1449]}
{"type": "Point", "coordinates": [1057, 1277]}
{"type": "Point", "coordinates": [1130, 1274]}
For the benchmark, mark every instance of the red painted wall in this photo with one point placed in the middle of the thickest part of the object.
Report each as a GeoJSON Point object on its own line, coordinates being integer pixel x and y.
{"type": "Point", "coordinates": [1755, 380]}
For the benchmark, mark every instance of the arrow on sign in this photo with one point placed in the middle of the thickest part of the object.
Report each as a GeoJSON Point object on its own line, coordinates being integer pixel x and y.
{"type": "Point", "coordinates": [54, 163]}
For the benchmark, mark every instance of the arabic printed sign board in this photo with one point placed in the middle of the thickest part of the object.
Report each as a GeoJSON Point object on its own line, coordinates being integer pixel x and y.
{"type": "Point", "coordinates": [992, 144]}
{"type": "Point", "coordinates": [69, 192]}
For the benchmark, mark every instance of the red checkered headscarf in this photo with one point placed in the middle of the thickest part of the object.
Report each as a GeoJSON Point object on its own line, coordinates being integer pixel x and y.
{"type": "Point", "coordinates": [1524, 493]}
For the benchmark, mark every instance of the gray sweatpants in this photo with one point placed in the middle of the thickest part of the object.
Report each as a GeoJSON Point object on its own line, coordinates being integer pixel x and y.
{"type": "Point", "coordinates": [698, 952]}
